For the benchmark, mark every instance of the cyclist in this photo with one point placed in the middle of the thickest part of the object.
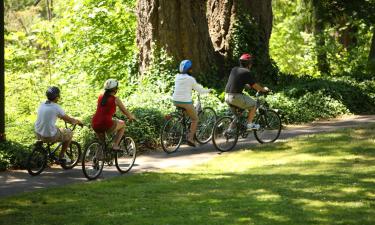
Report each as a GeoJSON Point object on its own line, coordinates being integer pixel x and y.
{"type": "Point", "coordinates": [45, 125]}
{"type": "Point", "coordinates": [182, 95]}
{"type": "Point", "coordinates": [103, 121]}
{"type": "Point", "coordinates": [239, 78]}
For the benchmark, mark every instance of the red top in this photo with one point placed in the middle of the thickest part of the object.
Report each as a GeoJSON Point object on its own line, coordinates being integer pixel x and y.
{"type": "Point", "coordinates": [102, 120]}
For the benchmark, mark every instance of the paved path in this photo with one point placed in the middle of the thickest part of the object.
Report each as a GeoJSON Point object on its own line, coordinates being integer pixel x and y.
{"type": "Point", "coordinates": [18, 181]}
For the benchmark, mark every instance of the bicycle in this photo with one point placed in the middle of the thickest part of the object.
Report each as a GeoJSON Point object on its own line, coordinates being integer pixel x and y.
{"type": "Point", "coordinates": [228, 128]}
{"type": "Point", "coordinates": [175, 129]}
{"type": "Point", "coordinates": [41, 154]}
{"type": "Point", "coordinates": [98, 153]}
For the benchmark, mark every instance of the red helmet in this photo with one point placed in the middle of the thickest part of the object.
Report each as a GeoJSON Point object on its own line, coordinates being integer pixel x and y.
{"type": "Point", "coordinates": [246, 57]}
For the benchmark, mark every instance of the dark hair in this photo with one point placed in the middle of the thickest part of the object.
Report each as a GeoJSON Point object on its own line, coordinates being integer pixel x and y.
{"type": "Point", "coordinates": [244, 63]}
{"type": "Point", "coordinates": [52, 93]}
{"type": "Point", "coordinates": [106, 95]}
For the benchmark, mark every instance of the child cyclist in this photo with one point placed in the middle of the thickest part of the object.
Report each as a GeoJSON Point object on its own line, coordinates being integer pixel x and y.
{"type": "Point", "coordinates": [103, 121]}
{"type": "Point", "coordinates": [45, 125]}
{"type": "Point", "coordinates": [182, 95]}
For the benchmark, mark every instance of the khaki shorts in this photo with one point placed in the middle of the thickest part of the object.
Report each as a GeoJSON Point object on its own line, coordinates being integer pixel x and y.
{"type": "Point", "coordinates": [240, 100]}
{"type": "Point", "coordinates": [62, 135]}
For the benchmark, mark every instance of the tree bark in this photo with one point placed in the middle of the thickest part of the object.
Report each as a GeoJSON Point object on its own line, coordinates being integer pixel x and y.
{"type": "Point", "coordinates": [318, 28]}
{"type": "Point", "coordinates": [2, 74]}
{"type": "Point", "coordinates": [371, 56]}
{"type": "Point", "coordinates": [180, 27]}
{"type": "Point", "coordinates": [197, 29]}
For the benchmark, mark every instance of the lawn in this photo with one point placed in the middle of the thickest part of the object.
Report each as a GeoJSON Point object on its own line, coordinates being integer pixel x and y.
{"type": "Point", "coordinates": [316, 179]}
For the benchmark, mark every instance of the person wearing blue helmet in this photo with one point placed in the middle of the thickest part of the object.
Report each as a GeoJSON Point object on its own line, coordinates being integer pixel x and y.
{"type": "Point", "coordinates": [182, 95]}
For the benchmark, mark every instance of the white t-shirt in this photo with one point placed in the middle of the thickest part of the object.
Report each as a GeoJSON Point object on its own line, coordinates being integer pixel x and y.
{"type": "Point", "coordinates": [47, 116]}
{"type": "Point", "coordinates": [183, 86]}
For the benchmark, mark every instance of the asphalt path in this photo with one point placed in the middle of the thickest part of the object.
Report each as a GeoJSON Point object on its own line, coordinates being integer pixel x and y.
{"type": "Point", "coordinates": [18, 181]}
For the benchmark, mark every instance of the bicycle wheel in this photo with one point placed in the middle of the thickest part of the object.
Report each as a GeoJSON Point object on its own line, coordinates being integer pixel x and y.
{"type": "Point", "coordinates": [207, 120]}
{"type": "Point", "coordinates": [270, 127]}
{"type": "Point", "coordinates": [126, 157]}
{"type": "Point", "coordinates": [37, 160]}
{"type": "Point", "coordinates": [171, 134]}
{"type": "Point", "coordinates": [224, 136]}
{"type": "Point", "coordinates": [93, 160]}
{"type": "Point", "coordinates": [74, 154]}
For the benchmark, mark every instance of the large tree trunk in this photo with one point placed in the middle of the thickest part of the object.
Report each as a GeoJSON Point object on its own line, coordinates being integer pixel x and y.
{"type": "Point", "coordinates": [318, 28]}
{"type": "Point", "coordinates": [197, 29]}
{"type": "Point", "coordinates": [179, 27]}
{"type": "Point", "coordinates": [222, 14]}
{"type": "Point", "coordinates": [371, 56]}
{"type": "Point", "coordinates": [2, 75]}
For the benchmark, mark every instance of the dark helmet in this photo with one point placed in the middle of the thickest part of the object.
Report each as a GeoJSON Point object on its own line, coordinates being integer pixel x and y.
{"type": "Point", "coordinates": [52, 93]}
{"type": "Point", "coordinates": [185, 66]}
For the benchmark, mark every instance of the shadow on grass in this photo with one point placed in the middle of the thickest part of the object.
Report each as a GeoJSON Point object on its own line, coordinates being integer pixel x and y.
{"type": "Point", "coordinates": [323, 179]}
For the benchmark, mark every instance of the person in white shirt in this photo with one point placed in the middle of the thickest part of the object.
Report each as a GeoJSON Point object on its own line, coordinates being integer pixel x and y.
{"type": "Point", "coordinates": [45, 128]}
{"type": "Point", "coordinates": [182, 95]}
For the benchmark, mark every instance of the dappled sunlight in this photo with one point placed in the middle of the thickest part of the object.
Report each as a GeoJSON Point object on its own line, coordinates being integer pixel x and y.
{"type": "Point", "coordinates": [273, 216]}
{"type": "Point", "coordinates": [303, 181]}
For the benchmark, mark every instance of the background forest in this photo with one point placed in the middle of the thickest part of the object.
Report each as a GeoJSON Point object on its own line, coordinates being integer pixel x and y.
{"type": "Point", "coordinates": [318, 57]}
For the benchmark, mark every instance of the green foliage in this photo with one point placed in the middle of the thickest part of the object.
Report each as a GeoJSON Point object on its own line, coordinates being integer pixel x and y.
{"type": "Point", "coordinates": [98, 38]}
{"type": "Point", "coordinates": [347, 36]}
{"type": "Point", "coordinates": [13, 153]}
{"type": "Point", "coordinates": [306, 99]}
{"type": "Point", "coordinates": [246, 38]}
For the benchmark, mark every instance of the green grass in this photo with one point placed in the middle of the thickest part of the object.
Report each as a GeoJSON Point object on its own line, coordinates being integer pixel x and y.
{"type": "Point", "coordinates": [316, 179]}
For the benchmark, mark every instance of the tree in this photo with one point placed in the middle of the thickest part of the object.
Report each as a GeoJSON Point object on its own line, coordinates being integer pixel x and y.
{"type": "Point", "coordinates": [199, 30]}
{"type": "Point", "coordinates": [2, 74]}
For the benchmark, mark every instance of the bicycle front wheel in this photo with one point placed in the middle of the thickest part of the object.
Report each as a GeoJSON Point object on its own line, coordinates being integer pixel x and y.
{"type": "Point", "coordinates": [74, 154]}
{"type": "Point", "coordinates": [125, 157]}
{"type": "Point", "coordinates": [270, 127]}
{"type": "Point", "coordinates": [37, 161]}
{"type": "Point", "coordinates": [171, 134]}
{"type": "Point", "coordinates": [225, 134]}
{"type": "Point", "coordinates": [93, 160]}
{"type": "Point", "coordinates": [207, 120]}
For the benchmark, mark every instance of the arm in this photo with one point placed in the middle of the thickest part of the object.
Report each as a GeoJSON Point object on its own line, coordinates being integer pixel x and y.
{"type": "Point", "coordinates": [124, 110]}
{"type": "Point", "coordinates": [69, 119]}
{"type": "Point", "coordinates": [199, 88]}
{"type": "Point", "coordinates": [257, 87]}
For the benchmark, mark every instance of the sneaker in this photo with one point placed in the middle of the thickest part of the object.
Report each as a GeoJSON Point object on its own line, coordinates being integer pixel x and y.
{"type": "Point", "coordinates": [252, 126]}
{"type": "Point", "coordinates": [61, 161]}
{"type": "Point", "coordinates": [191, 143]}
{"type": "Point", "coordinates": [67, 159]}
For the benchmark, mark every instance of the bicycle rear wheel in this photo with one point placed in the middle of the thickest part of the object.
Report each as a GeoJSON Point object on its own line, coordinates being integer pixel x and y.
{"type": "Point", "coordinates": [171, 134]}
{"type": "Point", "coordinates": [74, 154]}
{"type": "Point", "coordinates": [125, 157]}
{"type": "Point", "coordinates": [93, 160]}
{"type": "Point", "coordinates": [270, 127]}
{"type": "Point", "coordinates": [207, 120]}
{"type": "Point", "coordinates": [37, 160]}
{"type": "Point", "coordinates": [224, 137]}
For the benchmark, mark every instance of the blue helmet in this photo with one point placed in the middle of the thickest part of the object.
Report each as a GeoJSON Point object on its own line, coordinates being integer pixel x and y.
{"type": "Point", "coordinates": [185, 65]}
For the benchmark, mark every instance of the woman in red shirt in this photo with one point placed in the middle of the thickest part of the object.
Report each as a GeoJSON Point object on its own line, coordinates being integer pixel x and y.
{"type": "Point", "coordinates": [102, 122]}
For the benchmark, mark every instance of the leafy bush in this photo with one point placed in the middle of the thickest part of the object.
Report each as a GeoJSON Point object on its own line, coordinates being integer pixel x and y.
{"type": "Point", "coordinates": [13, 153]}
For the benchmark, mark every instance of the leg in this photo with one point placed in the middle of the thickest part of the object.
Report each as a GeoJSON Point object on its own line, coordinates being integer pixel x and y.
{"type": "Point", "coordinates": [251, 114]}
{"type": "Point", "coordinates": [192, 113]}
{"type": "Point", "coordinates": [120, 130]}
{"type": "Point", "coordinates": [65, 136]}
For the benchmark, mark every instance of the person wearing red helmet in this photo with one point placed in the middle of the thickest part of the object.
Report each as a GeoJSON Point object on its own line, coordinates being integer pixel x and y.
{"type": "Point", "coordinates": [239, 78]}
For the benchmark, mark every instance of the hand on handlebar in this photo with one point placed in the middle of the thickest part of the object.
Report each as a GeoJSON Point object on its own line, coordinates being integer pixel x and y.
{"type": "Point", "coordinates": [266, 90]}
{"type": "Point", "coordinates": [78, 122]}
{"type": "Point", "coordinates": [131, 117]}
